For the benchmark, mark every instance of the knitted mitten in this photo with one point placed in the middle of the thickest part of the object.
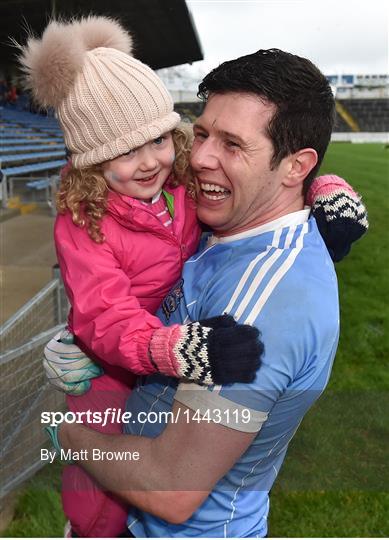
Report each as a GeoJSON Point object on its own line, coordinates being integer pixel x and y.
{"type": "Point", "coordinates": [339, 212]}
{"type": "Point", "coordinates": [212, 351]}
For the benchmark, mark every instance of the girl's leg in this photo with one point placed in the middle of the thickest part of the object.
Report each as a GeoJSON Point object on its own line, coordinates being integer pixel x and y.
{"type": "Point", "coordinates": [91, 511]}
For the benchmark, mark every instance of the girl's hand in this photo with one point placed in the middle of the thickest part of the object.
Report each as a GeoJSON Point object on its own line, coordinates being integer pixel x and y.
{"type": "Point", "coordinates": [212, 351]}
{"type": "Point", "coordinates": [340, 214]}
{"type": "Point", "coordinates": [67, 367]}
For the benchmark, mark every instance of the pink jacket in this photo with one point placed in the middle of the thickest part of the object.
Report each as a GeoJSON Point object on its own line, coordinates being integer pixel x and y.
{"type": "Point", "coordinates": [114, 287]}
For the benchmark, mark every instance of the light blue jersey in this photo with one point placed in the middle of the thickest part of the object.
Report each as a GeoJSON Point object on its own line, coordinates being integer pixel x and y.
{"type": "Point", "coordinates": [280, 278]}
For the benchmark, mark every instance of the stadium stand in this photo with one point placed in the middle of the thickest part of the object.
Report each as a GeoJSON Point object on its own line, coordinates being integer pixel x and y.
{"type": "Point", "coordinates": [341, 125]}
{"type": "Point", "coordinates": [34, 140]}
{"type": "Point", "coordinates": [365, 115]}
{"type": "Point", "coordinates": [30, 144]}
{"type": "Point", "coordinates": [346, 117]}
{"type": "Point", "coordinates": [15, 158]}
{"type": "Point", "coordinates": [27, 148]}
{"type": "Point", "coordinates": [33, 167]}
{"type": "Point", "coordinates": [189, 111]}
{"type": "Point", "coordinates": [372, 115]}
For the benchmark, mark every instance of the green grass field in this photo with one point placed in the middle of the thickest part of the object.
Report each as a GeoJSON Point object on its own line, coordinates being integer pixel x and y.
{"type": "Point", "coordinates": [335, 479]}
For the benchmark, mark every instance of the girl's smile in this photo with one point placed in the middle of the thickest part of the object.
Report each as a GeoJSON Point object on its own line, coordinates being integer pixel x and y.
{"type": "Point", "coordinates": [143, 171]}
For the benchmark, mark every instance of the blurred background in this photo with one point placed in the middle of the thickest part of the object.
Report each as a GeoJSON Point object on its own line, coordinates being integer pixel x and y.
{"type": "Point", "coordinates": [335, 478]}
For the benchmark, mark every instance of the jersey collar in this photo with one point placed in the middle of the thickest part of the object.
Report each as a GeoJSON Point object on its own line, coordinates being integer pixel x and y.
{"type": "Point", "coordinates": [295, 218]}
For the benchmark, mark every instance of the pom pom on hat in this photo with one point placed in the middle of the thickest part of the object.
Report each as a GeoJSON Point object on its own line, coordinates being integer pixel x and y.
{"type": "Point", "coordinates": [106, 101]}
{"type": "Point", "coordinates": [103, 32]}
{"type": "Point", "coordinates": [51, 64]}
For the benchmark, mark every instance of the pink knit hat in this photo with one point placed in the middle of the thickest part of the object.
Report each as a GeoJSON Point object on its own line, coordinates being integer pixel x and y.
{"type": "Point", "coordinates": [106, 101]}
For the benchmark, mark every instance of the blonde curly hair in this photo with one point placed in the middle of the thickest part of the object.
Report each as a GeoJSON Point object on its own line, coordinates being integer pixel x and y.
{"type": "Point", "coordinates": [84, 192]}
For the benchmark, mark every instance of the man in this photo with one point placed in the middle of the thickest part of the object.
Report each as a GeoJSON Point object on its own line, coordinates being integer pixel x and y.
{"type": "Point", "coordinates": [208, 470]}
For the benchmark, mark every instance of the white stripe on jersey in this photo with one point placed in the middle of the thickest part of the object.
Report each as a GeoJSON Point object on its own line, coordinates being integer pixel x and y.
{"type": "Point", "coordinates": [244, 279]}
{"type": "Point", "coordinates": [276, 278]}
{"type": "Point", "coordinates": [289, 236]}
{"type": "Point", "coordinates": [264, 271]}
{"type": "Point", "coordinates": [192, 260]}
{"type": "Point", "coordinates": [162, 393]}
{"type": "Point", "coordinates": [257, 281]}
{"type": "Point", "coordinates": [131, 524]}
{"type": "Point", "coordinates": [243, 480]}
{"type": "Point", "coordinates": [276, 238]}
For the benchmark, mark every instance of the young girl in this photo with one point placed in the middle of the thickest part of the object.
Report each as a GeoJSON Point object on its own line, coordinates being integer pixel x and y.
{"type": "Point", "coordinates": [125, 227]}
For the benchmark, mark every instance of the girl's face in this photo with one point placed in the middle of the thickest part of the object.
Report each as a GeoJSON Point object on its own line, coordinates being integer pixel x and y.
{"type": "Point", "coordinates": [143, 171]}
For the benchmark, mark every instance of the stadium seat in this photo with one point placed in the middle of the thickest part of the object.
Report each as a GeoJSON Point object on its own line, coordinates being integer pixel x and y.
{"type": "Point", "coordinates": [14, 158]}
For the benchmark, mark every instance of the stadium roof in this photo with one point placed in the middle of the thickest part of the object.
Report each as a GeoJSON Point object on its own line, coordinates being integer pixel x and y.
{"type": "Point", "coordinates": [164, 32]}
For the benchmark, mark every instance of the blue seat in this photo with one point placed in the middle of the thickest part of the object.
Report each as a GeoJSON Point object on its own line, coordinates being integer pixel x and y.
{"type": "Point", "coordinates": [33, 167]}
{"type": "Point", "coordinates": [14, 158]}
{"type": "Point", "coordinates": [42, 126]}
{"type": "Point", "coordinates": [30, 141]}
{"type": "Point", "coordinates": [31, 147]}
{"type": "Point", "coordinates": [39, 184]}
{"type": "Point", "coordinates": [16, 131]}
{"type": "Point", "coordinates": [26, 135]}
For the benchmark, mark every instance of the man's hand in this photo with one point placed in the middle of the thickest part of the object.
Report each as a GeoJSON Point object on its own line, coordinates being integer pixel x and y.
{"type": "Point", "coordinates": [67, 367]}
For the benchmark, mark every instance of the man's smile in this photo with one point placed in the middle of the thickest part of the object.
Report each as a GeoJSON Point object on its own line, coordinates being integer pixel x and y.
{"type": "Point", "coordinates": [214, 192]}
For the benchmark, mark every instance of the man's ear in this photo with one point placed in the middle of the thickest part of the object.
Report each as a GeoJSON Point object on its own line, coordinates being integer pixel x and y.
{"type": "Point", "coordinates": [300, 165]}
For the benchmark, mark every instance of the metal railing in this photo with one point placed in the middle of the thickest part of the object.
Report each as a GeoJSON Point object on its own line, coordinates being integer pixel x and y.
{"type": "Point", "coordinates": [38, 314]}
{"type": "Point", "coordinates": [26, 190]}
{"type": "Point", "coordinates": [24, 390]}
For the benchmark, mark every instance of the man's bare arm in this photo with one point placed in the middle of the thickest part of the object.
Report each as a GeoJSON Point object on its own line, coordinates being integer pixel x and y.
{"type": "Point", "coordinates": [176, 470]}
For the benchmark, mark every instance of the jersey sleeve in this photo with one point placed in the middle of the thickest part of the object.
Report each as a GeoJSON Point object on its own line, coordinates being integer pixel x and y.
{"type": "Point", "coordinates": [299, 324]}
{"type": "Point", "coordinates": [245, 407]}
{"type": "Point", "coordinates": [106, 317]}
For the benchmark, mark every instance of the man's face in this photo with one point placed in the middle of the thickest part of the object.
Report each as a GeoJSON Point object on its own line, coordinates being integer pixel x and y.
{"type": "Point", "coordinates": [231, 157]}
